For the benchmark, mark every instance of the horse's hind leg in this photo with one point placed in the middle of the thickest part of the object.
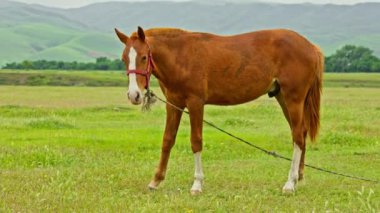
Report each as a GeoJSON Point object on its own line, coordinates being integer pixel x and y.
{"type": "Point", "coordinates": [302, 161]}
{"type": "Point", "coordinates": [295, 111]}
{"type": "Point", "coordinates": [281, 101]}
{"type": "Point", "coordinates": [173, 117]}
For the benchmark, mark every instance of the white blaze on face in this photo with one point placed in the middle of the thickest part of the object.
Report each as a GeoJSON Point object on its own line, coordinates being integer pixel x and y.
{"type": "Point", "coordinates": [132, 58]}
{"type": "Point", "coordinates": [134, 93]}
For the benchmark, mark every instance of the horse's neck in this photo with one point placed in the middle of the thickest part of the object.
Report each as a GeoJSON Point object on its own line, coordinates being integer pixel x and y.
{"type": "Point", "coordinates": [163, 59]}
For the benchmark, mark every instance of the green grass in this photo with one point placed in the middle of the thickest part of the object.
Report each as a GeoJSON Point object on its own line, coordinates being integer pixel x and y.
{"type": "Point", "coordinates": [118, 78]}
{"type": "Point", "coordinates": [63, 78]}
{"type": "Point", "coordinates": [66, 149]}
{"type": "Point", "coordinates": [352, 80]}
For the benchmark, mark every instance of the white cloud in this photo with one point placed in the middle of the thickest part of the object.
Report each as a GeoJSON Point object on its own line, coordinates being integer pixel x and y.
{"type": "Point", "coordinates": [80, 3]}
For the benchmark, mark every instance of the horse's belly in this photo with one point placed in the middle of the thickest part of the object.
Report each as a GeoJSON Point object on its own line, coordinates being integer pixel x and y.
{"type": "Point", "coordinates": [240, 84]}
{"type": "Point", "coordinates": [232, 96]}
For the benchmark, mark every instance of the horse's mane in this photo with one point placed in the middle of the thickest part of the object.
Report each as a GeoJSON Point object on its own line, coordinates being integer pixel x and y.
{"type": "Point", "coordinates": [167, 32]}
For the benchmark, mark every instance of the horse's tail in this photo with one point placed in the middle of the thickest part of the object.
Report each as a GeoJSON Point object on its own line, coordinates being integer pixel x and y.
{"type": "Point", "coordinates": [313, 98]}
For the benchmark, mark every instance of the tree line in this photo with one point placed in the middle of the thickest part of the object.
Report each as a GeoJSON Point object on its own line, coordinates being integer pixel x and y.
{"type": "Point", "coordinates": [349, 58]}
{"type": "Point", "coordinates": [101, 63]}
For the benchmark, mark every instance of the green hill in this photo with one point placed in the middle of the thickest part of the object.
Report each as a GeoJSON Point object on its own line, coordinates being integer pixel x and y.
{"type": "Point", "coordinates": [43, 41]}
{"type": "Point", "coordinates": [29, 32]}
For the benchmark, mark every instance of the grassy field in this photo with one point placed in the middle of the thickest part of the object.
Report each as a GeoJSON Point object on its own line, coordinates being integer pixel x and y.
{"type": "Point", "coordinates": [118, 78]}
{"type": "Point", "coordinates": [66, 149]}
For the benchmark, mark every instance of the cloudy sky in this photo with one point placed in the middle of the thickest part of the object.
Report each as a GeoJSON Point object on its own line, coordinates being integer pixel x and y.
{"type": "Point", "coordinates": [79, 3]}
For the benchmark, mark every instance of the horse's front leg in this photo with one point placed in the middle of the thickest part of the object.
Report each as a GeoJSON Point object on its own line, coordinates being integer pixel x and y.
{"type": "Point", "coordinates": [196, 107]}
{"type": "Point", "coordinates": [173, 118]}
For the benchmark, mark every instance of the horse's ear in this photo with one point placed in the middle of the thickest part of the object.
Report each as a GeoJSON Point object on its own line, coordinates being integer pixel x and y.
{"type": "Point", "coordinates": [140, 33]}
{"type": "Point", "coordinates": [123, 38]}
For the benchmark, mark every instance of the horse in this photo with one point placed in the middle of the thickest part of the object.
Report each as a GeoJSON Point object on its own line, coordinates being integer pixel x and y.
{"type": "Point", "coordinates": [195, 69]}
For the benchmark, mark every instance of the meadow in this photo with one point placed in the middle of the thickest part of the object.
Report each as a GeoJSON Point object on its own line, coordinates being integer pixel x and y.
{"type": "Point", "coordinates": [84, 148]}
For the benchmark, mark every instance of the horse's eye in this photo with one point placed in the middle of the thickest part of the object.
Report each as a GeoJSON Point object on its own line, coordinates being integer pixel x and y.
{"type": "Point", "coordinates": [143, 58]}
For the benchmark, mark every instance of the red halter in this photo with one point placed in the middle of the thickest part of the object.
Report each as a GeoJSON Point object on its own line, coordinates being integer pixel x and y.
{"type": "Point", "coordinates": [147, 72]}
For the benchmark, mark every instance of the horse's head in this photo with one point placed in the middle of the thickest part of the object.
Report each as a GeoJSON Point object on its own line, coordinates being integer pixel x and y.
{"type": "Point", "coordinates": [138, 62]}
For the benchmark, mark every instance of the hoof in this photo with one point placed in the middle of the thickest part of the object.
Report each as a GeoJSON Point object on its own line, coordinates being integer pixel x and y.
{"type": "Point", "coordinates": [288, 188]}
{"type": "Point", "coordinates": [286, 191]}
{"type": "Point", "coordinates": [152, 186]}
{"type": "Point", "coordinates": [195, 192]}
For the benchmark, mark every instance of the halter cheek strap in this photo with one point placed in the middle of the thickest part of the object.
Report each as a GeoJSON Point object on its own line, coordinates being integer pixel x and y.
{"type": "Point", "coordinates": [147, 72]}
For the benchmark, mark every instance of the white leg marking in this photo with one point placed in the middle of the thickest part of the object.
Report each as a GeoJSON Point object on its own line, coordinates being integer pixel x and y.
{"type": "Point", "coordinates": [197, 185]}
{"type": "Point", "coordinates": [289, 186]}
{"type": "Point", "coordinates": [134, 93]}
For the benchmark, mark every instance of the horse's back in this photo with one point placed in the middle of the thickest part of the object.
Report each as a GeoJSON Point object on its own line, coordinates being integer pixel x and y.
{"type": "Point", "coordinates": [280, 46]}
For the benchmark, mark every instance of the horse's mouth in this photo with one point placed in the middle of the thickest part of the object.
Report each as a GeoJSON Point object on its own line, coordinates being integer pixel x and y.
{"type": "Point", "coordinates": [136, 103]}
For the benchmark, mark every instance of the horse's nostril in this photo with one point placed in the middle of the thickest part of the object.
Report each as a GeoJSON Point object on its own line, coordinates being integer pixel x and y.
{"type": "Point", "coordinates": [137, 97]}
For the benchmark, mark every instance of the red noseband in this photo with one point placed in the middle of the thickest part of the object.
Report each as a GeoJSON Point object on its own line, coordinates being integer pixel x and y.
{"type": "Point", "coordinates": [147, 72]}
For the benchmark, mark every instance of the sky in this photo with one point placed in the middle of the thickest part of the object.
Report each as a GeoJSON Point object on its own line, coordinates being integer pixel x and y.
{"type": "Point", "coordinates": [80, 3]}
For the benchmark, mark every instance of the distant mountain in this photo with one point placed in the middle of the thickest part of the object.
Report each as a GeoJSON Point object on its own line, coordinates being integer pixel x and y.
{"type": "Point", "coordinates": [37, 32]}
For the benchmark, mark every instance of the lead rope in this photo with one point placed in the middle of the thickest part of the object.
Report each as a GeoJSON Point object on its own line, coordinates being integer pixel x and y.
{"type": "Point", "coordinates": [150, 96]}
{"type": "Point", "coordinates": [148, 100]}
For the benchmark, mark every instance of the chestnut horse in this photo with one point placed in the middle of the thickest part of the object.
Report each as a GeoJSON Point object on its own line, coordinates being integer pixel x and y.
{"type": "Point", "coordinates": [194, 69]}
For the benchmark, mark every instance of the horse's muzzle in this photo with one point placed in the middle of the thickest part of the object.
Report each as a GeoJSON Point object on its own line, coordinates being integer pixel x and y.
{"type": "Point", "coordinates": [135, 97]}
